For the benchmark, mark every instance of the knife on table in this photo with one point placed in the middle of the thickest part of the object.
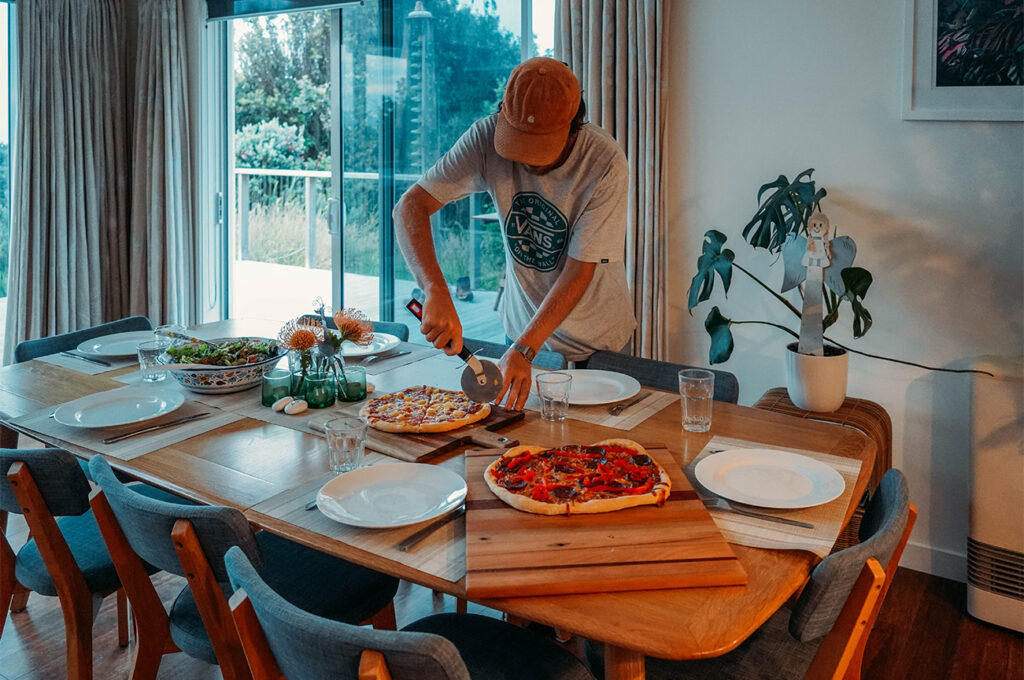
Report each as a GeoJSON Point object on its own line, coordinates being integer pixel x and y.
{"type": "Point", "coordinates": [91, 360]}
{"type": "Point", "coordinates": [482, 380]}
{"type": "Point", "coordinates": [151, 428]}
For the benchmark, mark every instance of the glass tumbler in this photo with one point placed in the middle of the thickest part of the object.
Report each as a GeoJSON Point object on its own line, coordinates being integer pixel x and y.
{"type": "Point", "coordinates": [276, 384]}
{"type": "Point", "coordinates": [320, 389]}
{"type": "Point", "coordinates": [351, 383]}
{"type": "Point", "coordinates": [553, 390]}
{"type": "Point", "coordinates": [149, 352]}
{"type": "Point", "coordinates": [346, 438]}
{"type": "Point", "coordinates": [696, 390]}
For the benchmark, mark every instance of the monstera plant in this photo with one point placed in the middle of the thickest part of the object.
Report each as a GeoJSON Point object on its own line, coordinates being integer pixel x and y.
{"type": "Point", "coordinates": [779, 227]}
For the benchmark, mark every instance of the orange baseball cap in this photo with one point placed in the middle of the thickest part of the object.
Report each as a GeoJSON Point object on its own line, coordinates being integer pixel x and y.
{"type": "Point", "coordinates": [541, 99]}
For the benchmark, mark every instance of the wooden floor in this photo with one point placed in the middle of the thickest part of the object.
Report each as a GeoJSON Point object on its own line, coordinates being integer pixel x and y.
{"type": "Point", "coordinates": [923, 632]}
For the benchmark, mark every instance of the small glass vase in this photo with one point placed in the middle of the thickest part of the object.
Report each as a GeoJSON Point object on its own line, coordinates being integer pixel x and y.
{"type": "Point", "coordinates": [320, 389]}
{"type": "Point", "coordinates": [351, 383]}
{"type": "Point", "coordinates": [300, 364]}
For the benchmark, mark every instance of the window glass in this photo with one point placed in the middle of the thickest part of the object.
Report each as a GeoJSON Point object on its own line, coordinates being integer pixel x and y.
{"type": "Point", "coordinates": [5, 170]}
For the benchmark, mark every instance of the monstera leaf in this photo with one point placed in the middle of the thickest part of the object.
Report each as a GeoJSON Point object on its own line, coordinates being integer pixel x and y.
{"type": "Point", "coordinates": [717, 327]}
{"type": "Point", "coordinates": [784, 212]}
{"type": "Point", "coordinates": [856, 281]}
{"type": "Point", "coordinates": [713, 259]}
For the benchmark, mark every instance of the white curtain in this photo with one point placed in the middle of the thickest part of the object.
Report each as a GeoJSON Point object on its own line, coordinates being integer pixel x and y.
{"type": "Point", "coordinates": [616, 48]}
{"type": "Point", "coordinates": [163, 226]}
{"type": "Point", "coordinates": [69, 199]}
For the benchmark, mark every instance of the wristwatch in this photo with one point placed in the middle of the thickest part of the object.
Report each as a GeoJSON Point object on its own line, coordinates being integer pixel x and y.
{"type": "Point", "coordinates": [528, 352]}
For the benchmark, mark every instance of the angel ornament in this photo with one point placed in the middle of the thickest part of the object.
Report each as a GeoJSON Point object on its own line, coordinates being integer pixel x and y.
{"type": "Point", "coordinates": [819, 251]}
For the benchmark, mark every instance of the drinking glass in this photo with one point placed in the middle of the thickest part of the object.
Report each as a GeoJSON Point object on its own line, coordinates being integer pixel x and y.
{"type": "Point", "coordinates": [320, 390]}
{"type": "Point", "coordinates": [149, 351]}
{"type": "Point", "coordinates": [276, 384]}
{"type": "Point", "coordinates": [346, 438]}
{"type": "Point", "coordinates": [352, 383]}
{"type": "Point", "coordinates": [553, 390]}
{"type": "Point", "coordinates": [696, 388]}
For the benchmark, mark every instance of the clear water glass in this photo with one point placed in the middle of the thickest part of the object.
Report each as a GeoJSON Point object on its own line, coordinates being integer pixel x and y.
{"type": "Point", "coordinates": [149, 352]}
{"type": "Point", "coordinates": [346, 439]}
{"type": "Point", "coordinates": [696, 389]}
{"type": "Point", "coordinates": [553, 390]}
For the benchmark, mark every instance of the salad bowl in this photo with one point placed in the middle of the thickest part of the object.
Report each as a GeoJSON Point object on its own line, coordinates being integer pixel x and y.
{"type": "Point", "coordinates": [222, 365]}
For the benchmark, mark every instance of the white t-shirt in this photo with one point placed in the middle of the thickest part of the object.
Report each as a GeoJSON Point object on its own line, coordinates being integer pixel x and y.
{"type": "Point", "coordinates": [576, 210]}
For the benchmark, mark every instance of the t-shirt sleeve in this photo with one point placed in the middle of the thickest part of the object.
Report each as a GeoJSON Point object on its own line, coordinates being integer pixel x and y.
{"type": "Point", "coordinates": [599, 234]}
{"type": "Point", "coordinates": [459, 172]}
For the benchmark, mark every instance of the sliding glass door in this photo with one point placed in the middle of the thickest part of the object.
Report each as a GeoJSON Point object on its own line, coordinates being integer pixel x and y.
{"type": "Point", "coordinates": [334, 114]}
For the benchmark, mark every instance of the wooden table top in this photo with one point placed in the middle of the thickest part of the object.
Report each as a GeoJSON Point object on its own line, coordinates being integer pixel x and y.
{"type": "Point", "coordinates": [271, 472]}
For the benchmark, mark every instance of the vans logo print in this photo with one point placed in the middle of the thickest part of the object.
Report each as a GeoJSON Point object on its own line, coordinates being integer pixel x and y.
{"type": "Point", "coordinates": [536, 231]}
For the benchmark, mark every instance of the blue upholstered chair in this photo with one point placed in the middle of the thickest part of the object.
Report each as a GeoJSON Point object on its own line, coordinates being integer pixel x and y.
{"type": "Point", "coordinates": [545, 358]}
{"type": "Point", "coordinates": [66, 556]}
{"type": "Point", "coordinates": [32, 349]}
{"type": "Point", "coordinates": [662, 375]}
{"type": "Point", "coordinates": [190, 540]}
{"type": "Point", "coordinates": [282, 640]}
{"type": "Point", "coordinates": [829, 625]}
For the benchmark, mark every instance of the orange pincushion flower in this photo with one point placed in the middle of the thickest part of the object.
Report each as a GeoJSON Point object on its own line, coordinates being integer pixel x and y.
{"type": "Point", "coordinates": [354, 326]}
{"type": "Point", "coordinates": [301, 334]}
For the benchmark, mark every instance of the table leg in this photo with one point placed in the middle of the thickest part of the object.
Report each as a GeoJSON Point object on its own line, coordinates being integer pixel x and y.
{"type": "Point", "coordinates": [623, 664]}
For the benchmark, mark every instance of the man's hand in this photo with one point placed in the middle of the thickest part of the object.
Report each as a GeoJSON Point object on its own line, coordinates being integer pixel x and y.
{"type": "Point", "coordinates": [515, 370]}
{"type": "Point", "coordinates": [441, 324]}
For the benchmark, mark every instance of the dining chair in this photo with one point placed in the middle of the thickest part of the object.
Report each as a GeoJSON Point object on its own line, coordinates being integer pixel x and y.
{"type": "Point", "coordinates": [190, 541]}
{"type": "Point", "coordinates": [545, 358]}
{"type": "Point", "coordinates": [40, 347]}
{"type": "Point", "coordinates": [661, 375]}
{"type": "Point", "coordinates": [399, 330]}
{"type": "Point", "coordinates": [825, 633]}
{"type": "Point", "coordinates": [282, 640]}
{"type": "Point", "coordinates": [65, 556]}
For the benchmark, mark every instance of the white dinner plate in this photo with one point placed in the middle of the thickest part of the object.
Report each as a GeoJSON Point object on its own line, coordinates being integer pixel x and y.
{"type": "Point", "coordinates": [391, 495]}
{"type": "Point", "coordinates": [122, 406]}
{"type": "Point", "coordinates": [590, 386]}
{"type": "Point", "coordinates": [116, 345]}
{"type": "Point", "coordinates": [382, 342]}
{"type": "Point", "coordinates": [769, 478]}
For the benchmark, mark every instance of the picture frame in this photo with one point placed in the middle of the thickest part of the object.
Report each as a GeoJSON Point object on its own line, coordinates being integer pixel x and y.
{"type": "Point", "coordinates": [923, 99]}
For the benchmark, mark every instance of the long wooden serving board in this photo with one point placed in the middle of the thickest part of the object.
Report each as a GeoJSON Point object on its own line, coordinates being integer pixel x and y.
{"type": "Point", "coordinates": [511, 553]}
{"type": "Point", "coordinates": [416, 447]}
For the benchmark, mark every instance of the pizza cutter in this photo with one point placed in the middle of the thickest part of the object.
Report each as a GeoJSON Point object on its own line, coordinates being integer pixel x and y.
{"type": "Point", "coordinates": [482, 380]}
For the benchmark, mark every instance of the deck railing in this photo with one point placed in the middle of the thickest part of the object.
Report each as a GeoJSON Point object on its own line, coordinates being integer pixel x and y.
{"type": "Point", "coordinates": [477, 229]}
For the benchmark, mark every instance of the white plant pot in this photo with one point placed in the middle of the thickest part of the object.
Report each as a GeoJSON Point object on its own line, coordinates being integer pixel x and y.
{"type": "Point", "coordinates": [816, 383]}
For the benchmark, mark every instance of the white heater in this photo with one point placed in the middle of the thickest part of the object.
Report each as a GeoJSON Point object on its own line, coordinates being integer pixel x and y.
{"type": "Point", "coordinates": [995, 541]}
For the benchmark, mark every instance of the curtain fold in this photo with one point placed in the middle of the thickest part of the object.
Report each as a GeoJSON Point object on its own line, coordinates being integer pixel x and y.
{"type": "Point", "coordinates": [163, 228]}
{"type": "Point", "coordinates": [69, 200]}
{"type": "Point", "coordinates": [616, 48]}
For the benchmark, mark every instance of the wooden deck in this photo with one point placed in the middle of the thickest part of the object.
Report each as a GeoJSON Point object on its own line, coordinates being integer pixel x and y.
{"type": "Point", "coordinates": [274, 291]}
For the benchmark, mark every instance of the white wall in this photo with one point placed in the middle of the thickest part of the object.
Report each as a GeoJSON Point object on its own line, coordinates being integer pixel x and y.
{"type": "Point", "coordinates": [758, 88]}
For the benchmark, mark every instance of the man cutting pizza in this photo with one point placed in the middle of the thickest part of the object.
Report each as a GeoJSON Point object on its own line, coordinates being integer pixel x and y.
{"type": "Point", "coordinates": [560, 187]}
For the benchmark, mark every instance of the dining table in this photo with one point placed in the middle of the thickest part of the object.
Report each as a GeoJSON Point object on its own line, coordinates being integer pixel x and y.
{"type": "Point", "coordinates": [271, 473]}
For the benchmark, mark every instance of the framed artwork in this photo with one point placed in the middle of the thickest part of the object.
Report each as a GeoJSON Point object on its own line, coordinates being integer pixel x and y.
{"type": "Point", "coordinates": [964, 60]}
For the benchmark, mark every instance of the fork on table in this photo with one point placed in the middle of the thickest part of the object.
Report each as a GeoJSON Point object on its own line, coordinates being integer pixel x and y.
{"type": "Point", "coordinates": [718, 503]}
{"type": "Point", "coordinates": [616, 409]}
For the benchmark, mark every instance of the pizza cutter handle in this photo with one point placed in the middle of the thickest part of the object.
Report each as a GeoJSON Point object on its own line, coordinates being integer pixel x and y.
{"type": "Point", "coordinates": [416, 308]}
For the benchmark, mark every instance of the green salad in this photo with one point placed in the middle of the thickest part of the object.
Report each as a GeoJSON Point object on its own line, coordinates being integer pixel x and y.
{"type": "Point", "coordinates": [232, 353]}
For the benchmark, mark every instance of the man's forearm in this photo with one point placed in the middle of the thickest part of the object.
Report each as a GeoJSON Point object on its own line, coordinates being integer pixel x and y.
{"type": "Point", "coordinates": [563, 297]}
{"type": "Point", "coordinates": [415, 238]}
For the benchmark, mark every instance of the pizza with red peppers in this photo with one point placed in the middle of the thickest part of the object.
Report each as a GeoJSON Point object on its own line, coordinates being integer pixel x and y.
{"type": "Point", "coordinates": [569, 480]}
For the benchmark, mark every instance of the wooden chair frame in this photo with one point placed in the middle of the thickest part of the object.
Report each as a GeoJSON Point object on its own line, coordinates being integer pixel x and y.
{"type": "Point", "coordinates": [150, 620]}
{"type": "Point", "coordinates": [76, 601]}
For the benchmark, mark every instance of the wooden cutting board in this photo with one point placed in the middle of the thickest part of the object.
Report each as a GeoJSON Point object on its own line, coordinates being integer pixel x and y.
{"type": "Point", "coordinates": [511, 553]}
{"type": "Point", "coordinates": [416, 447]}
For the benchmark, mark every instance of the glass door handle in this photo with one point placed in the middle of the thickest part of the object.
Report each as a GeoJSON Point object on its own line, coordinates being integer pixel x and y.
{"type": "Point", "coordinates": [333, 225]}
